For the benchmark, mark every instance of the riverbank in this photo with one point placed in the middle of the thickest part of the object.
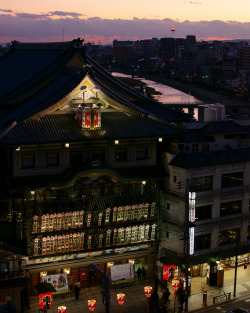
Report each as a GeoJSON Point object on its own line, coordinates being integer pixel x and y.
{"type": "Point", "coordinates": [203, 94]}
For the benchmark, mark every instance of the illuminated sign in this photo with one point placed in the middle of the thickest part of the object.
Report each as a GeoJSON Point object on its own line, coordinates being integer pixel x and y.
{"type": "Point", "coordinates": [192, 197]}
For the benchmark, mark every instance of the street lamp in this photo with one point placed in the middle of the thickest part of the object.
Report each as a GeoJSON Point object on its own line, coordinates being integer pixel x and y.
{"type": "Point", "coordinates": [148, 293]}
{"type": "Point", "coordinates": [120, 299]}
{"type": "Point", "coordinates": [91, 305]}
{"type": "Point", "coordinates": [175, 286]}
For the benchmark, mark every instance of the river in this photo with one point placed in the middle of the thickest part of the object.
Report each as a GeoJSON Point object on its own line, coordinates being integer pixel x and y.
{"type": "Point", "coordinates": [167, 94]}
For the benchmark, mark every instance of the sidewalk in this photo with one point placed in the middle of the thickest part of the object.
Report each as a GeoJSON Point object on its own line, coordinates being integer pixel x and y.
{"type": "Point", "coordinates": [135, 299]}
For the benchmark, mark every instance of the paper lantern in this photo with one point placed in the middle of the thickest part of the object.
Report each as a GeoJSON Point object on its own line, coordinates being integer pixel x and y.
{"type": "Point", "coordinates": [175, 284]}
{"type": "Point", "coordinates": [91, 305]}
{"type": "Point", "coordinates": [148, 291]}
{"type": "Point", "coordinates": [62, 309]}
{"type": "Point", "coordinates": [45, 301]}
{"type": "Point", "coordinates": [120, 298]}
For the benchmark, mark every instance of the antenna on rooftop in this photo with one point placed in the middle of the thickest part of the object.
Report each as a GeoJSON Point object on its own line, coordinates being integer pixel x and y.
{"type": "Point", "coordinates": [172, 31]}
{"type": "Point", "coordinates": [63, 33]}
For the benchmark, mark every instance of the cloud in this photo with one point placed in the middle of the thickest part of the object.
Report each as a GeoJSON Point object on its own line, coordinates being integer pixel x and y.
{"type": "Point", "coordinates": [6, 11]}
{"type": "Point", "coordinates": [61, 13]}
{"type": "Point", "coordinates": [32, 16]}
{"type": "Point", "coordinates": [59, 25]}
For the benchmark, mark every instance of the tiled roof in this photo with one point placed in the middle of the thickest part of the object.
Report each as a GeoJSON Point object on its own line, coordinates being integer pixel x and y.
{"type": "Point", "coordinates": [223, 127]}
{"type": "Point", "coordinates": [34, 77]}
{"type": "Point", "coordinates": [60, 128]}
{"type": "Point", "coordinates": [195, 136]}
{"type": "Point", "coordinates": [211, 158]}
{"type": "Point", "coordinates": [137, 173]}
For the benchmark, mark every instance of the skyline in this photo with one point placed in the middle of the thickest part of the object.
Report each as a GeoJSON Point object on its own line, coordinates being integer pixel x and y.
{"type": "Point", "coordinates": [102, 22]}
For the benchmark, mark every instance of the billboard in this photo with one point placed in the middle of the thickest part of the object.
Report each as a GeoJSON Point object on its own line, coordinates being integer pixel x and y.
{"type": "Point", "coordinates": [58, 281]}
{"type": "Point", "coordinates": [122, 273]}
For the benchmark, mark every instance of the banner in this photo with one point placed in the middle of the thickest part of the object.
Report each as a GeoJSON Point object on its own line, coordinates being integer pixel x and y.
{"type": "Point", "coordinates": [122, 272]}
{"type": "Point", "coordinates": [58, 281]}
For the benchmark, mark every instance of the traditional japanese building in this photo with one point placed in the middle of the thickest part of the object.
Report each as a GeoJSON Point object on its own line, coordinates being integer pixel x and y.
{"type": "Point", "coordinates": [80, 161]}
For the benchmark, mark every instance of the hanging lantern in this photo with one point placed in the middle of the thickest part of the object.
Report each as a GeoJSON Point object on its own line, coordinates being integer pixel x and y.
{"type": "Point", "coordinates": [91, 305]}
{"type": "Point", "coordinates": [148, 291]}
{"type": "Point", "coordinates": [45, 301]}
{"type": "Point", "coordinates": [120, 298]}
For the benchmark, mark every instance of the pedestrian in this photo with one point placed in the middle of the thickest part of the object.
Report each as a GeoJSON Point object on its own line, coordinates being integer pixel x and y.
{"type": "Point", "coordinates": [77, 291]}
{"type": "Point", "coordinates": [143, 273]}
{"type": "Point", "coordinates": [182, 300]}
{"type": "Point", "coordinates": [166, 296]}
{"type": "Point", "coordinates": [139, 272]}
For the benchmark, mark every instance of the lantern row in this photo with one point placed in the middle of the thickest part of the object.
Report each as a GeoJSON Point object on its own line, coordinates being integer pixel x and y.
{"type": "Point", "coordinates": [79, 219]}
{"type": "Point", "coordinates": [77, 241]}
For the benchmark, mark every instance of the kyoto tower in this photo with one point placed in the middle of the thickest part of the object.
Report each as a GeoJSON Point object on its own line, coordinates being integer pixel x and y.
{"type": "Point", "coordinates": [172, 31]}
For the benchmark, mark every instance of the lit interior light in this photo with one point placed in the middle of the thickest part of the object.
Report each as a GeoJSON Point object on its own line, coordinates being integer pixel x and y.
{"type": "Point", "coordinates": [66, 145]}
{"type": "Point", "coordinates": [18, 148]}
{"type": "Point", "coordinates": [160, 139]}
{"type": "Point", "coordinates": [117, 142]}
{"type": "Point", "coordinates": [143, 182]}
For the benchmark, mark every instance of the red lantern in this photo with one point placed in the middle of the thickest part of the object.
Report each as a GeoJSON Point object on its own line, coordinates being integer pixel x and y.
{"type": "Point", "coordinates": [175, 284]}
{"type": "Point", "coordinates": [168, 271]}
{"type": "Point", "coordinates": [148, 291]}
{"type": "Point", "coordinates": [91, 305]}
{"type": "Point", "coordinates": [62, 309]}
{"type": "Point", "coordinates": [120, 298]}
{"type": "Point", "coordinates": [45, 301]}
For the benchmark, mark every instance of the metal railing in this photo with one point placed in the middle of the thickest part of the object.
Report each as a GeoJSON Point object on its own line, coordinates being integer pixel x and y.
{"type": "Point", "coordinates": [220, 298]}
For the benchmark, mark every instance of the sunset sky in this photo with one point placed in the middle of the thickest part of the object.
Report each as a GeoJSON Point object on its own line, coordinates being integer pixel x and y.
{"type": "Point", "coordinates": [102, 21]}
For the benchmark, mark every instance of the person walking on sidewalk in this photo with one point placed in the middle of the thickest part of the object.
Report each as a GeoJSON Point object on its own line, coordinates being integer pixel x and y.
{"type": "Point", "coordinates": [77, 291]}
{"type": "Point", "coordinates": [139, 272]}
{"type": "Point", "coordinates": [166, 296]}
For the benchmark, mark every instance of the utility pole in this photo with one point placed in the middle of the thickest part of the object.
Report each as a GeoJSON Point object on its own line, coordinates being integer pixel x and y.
{"type": "Point", "coordinates": [236, 260]}
{"type": "Point", "coordinates": [186, 241]}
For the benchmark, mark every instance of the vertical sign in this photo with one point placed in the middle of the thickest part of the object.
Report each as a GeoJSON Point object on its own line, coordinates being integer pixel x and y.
{"type": "Point", "coordinates": [192, 196]}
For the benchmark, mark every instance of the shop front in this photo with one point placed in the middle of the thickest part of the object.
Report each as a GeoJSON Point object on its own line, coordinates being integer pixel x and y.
{"type": "Point", "coordinates": [65, 271]}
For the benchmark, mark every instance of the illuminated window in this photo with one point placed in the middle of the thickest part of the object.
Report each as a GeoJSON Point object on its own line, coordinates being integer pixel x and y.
{"type": "Point", "coordinates": [232, 179]}
{"type": "Point", "coordinates": [202, 183]}
{"type": "Point", "coordinates": [227, 236]}
{"type": "Point", "coordinates": [233, 207]}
